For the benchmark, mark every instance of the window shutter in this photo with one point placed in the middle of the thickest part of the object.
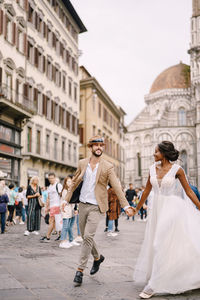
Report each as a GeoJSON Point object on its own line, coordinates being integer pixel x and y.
{"type": "Point", "coordinates": [25, 91]}
{"type": "Point", "coordinates": [81, 135]}
{"type": "Point", "coordinates": [53, 73]}
{"type": "Point", "coordinates": [36, 21]}
{"type": "Point", "coordinates": [60, 115]}
{"type": "Point", "coordinates": [5, 31]}
{"type": "Point", "coordinates": [44, 105]}
{"type": "Point", "coordinates": [59, 78]}
{"type": "Point", "coordinates": [14, 33]}
{"type": "Point", "coordinates": [0, 76]}
{"type": "Point", "coordinates": [1, 21]}
{"type": "Point", "coordinates": [44, 64]}
{"type": "Point", "coordinates": [25, 44]}
{"type": "Point", "coordinates": [17, 38]}
{"type": "Point", "coordinates": [36, 57]}
{"type": "Point", "coordinates": [44, 29]}
{"type": "Point", "coordinates": [35, 100]}
{"type": "Point", "coordinates": [52, 111]}
{"type": "Point", "coordinates": [26, 5]}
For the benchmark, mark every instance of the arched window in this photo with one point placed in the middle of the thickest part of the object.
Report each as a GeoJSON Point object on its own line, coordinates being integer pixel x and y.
{"type": "Point", "coordinates": [183, 157]}
{"type": "Point", "coordinates": [139, 164]}
{"type": "Point", "coordinates": [181, 116]}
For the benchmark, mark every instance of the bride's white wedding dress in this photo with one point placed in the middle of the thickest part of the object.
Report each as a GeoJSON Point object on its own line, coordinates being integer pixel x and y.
{"type": "Point", "coordinates": [169, 261]}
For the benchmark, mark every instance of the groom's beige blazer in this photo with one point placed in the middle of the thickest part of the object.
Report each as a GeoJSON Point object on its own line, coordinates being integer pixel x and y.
{"type": "Point", "coordinates": [105, 175]}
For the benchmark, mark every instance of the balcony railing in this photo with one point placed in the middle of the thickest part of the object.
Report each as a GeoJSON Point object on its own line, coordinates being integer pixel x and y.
{"type": "Point", "coordinates": [18, 99]}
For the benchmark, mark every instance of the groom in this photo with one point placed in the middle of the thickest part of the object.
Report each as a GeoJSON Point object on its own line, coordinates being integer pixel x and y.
{"type": "Point", "coordinates": [96, 173]}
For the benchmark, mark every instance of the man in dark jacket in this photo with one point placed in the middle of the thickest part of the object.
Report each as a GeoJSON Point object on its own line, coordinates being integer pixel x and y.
{"type": "Point", "coordinates": [130, 194]}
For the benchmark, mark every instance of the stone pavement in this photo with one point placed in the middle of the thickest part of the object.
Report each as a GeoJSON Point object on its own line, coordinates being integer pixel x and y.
{"type": "Point", "coordinates": [31, 270]}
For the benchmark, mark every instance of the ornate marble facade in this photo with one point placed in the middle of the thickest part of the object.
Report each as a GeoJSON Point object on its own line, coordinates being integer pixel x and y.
{"type": "Point", "coordinates": [170, 114]}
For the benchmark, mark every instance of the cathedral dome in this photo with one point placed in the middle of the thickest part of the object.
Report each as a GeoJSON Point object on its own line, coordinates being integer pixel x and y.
{"type": "Point", "coordinates": [175, 77]}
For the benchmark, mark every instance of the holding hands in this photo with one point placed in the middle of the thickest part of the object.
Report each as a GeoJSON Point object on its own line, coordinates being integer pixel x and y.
{"type": "Point", "coordinates": [131, 211]}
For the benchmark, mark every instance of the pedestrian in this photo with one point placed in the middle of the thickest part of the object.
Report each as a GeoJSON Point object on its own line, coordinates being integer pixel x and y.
{"type": "Point", "coordinates": [130, 195]}
{"type": "Point", "coordinates": [68, 215]}
{"type": "Point", "coordinates": [3, 207]}
{"type": "Point", "coordinates": [52, 204]}
{"type": "Point", "coordinates": [143, 210]}
{"type": "Point", "coordinates": [94, 173]}
{"type": "Point", "coordinates": [11, 204]}
{"type": "Point", "coordinates": [34, 209]}
{"type": "Point", "coordinates": [19, 206]}
{"type": "Point", "coordinates": [78, 238]}
{"type": "Point", "coordinates": [113, 210]}
{"type": "Point", "coordinates": [25, 205]}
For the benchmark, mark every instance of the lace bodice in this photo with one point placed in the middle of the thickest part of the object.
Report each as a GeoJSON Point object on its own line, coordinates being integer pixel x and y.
{"type": "Point", "coordinates": [169, 184]}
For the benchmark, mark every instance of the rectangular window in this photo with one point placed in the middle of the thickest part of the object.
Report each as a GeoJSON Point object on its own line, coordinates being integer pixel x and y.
{"type": "Point", "coordinates": [20, 41]}
{"type": "Point", "coordinates": [8, 30]}
{"type": "Point", "coordinates": [48, 108]}
{"type": "Point", "coordinates": [64, 83]}
{"type": "Point", "coordinates": [69, 151]}
{"type": "Point", "coordinates": [81, 135]}
{"type": "Point", "coordinates": [75, 93]}
{"type": "Point", "coordinates": [40, 61]}
{"type": "Point", "coordinates": [38, 136]}
{"type": "Point", "coordinates": [49, 71]}
{"type": "Point", "coordinates": [55, 148]}
{"type": "Point", "coordinates": [70, 88]}
{"type": "Point", "coordinates": [63, 150]}
{"type": "Point", "coordinates": [47, 143]}
{"type": "Point", "coordinates": [29, 139]}
{"type": "Point", "coordinates": [39, 103]}
{"type": "Point", "coordinates": [99, 110]}
{"type": "Point", "coordinates": [93, 130]}
{"type": "Point", "coordinates": [30, 53]}
{"type": "Point", "coordinates": [75, 153]}
{"type": "Point", "coordinates": [30, 14]}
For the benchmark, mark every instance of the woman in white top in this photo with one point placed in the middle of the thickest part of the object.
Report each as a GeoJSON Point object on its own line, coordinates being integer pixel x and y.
{"type": "Point", "coordinates": [68, 212]}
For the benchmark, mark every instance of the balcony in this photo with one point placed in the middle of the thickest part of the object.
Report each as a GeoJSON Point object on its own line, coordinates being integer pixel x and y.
{"type": "Point", "coordinates": [15, 105]}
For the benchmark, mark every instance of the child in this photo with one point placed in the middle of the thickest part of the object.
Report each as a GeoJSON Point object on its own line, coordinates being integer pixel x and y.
{"type": "Point", "coordinates": [68, 215]}
{"type": "Point", "coordinates": [19, 203]}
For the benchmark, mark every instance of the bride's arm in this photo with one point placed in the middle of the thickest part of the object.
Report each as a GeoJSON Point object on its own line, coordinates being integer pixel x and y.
{"type": "Point", "coordinates": [145, 194]}
{"type": "Point", "coordinates": [189, 192]}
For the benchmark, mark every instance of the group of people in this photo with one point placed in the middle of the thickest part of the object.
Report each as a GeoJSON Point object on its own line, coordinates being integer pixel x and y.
{"type": "Point", "coordinates": [170, 253]}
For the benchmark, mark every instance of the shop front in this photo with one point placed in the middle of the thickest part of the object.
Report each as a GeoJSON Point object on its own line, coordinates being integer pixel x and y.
{"type": "Point", "coordinates": [10, 153]}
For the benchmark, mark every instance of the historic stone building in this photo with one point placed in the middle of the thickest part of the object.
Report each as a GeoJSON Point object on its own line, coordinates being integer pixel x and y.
{"type": "Point", "coordinates": [172, 112]}
{"type": "Point", "coordinates": [100, 115]}
{"type": "Point", "coordinates": [39, 59]}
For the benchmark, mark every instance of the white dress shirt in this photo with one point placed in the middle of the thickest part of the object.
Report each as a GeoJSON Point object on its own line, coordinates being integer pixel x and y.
{"type": "Point", "coordinates": [88, 188]}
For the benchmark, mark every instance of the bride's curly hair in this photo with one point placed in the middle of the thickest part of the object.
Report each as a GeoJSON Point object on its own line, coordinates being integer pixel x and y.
{"type": "Point", "coordinates": [168, 150]}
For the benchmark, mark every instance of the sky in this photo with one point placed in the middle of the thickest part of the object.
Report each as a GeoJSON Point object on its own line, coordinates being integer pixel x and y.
{"type": "Point", "coordinates": [130, 42]}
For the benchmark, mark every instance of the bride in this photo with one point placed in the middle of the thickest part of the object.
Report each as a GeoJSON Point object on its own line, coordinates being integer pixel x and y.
{"type": "Point", "coordinates": [170, 256]}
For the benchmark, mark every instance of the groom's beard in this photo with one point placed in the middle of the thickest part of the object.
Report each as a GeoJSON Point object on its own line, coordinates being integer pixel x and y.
{"type": "Point", "coordinates": [97, 154]}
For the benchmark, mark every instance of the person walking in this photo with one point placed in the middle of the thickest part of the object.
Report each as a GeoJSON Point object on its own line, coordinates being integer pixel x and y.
{"type": "Point", "coordinates": [130, 194]}
{"type": "Point", "coordinates": [113, 211]}
{"type": "Point", "coordinates": [52, 204]}
{"type": "Point", "coordinates": [94, 173]}
{"type": "Point", "coordinates": [3, 207]}
{"type": "Point", "coordinates": [19, 206]}
{"type": "Point", "coordinates": [11, 204]}
{"type": "Point", "coordinates": [34, 209]}
{"type": "Point", "coordinates": [170, 254]}
{"type": "Point", "coordinates": [68, 215]}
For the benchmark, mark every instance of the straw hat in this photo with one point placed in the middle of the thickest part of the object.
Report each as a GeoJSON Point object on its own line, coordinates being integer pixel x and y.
{"type": "Point", "coordinates": [96, 139]}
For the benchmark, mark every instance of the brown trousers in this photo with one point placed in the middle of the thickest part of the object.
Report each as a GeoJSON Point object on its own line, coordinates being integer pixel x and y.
{"type": "Point", "coordinates": [89, 217]}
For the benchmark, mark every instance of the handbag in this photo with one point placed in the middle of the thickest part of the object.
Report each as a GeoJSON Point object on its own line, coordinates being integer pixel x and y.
{"type": "Point", "coordinates": [46, 219]}
{"type": "Point", "coordinates": [76, 194]}
{"type": "Point", "coordinates": [41, 203]}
